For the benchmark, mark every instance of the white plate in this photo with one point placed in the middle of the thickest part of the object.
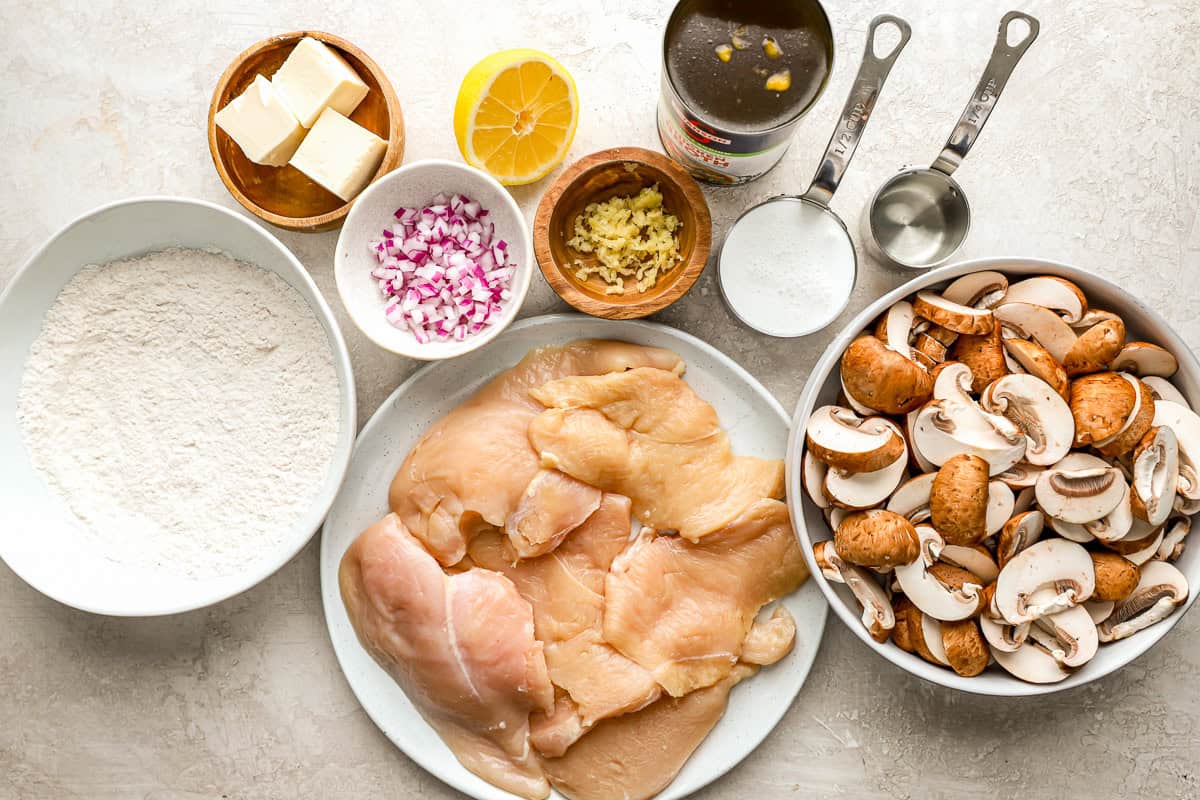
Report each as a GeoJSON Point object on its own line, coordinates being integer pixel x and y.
{"type": "Point", "coordinates": [39, 537]}
{"type": "Point", "coordinates": [757, 425]}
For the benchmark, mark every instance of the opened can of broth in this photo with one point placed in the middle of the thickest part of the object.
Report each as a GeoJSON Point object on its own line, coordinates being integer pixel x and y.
{"type": "Point", "coordinates": [737, 75]}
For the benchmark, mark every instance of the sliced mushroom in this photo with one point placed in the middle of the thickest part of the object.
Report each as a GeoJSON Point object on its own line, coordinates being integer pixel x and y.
{"type": "Point", "coordinates": [953, 316]}
{"type": "Point", "coordinates": [1093, 317]}
{"type": "Point", "coordinates": [1019, 533]}
{"type": "Point", "coordinates": [911, 500]}
{"type": "Point", "coordinates": [1071, 531]}
{"type": "Point", "coordinates": [958, 500]}
{"type": "Point", "coordinates": [1069, 635]}
{"type": "Point", "coordinates": [904, 611]}
{"type": "Point", "coordinates": [859, 490]}
{"type": "Point", "coordinates": [876, 538]}
{"type": "Point", "coordinates": [812, 476]}
{"type": "Point", "coordinates": [1001, 506]}
{"type": "Point", "coordinates": [1163, 389]}
{"type": "Point", "coordinates": [1160, 590]}
{"type": "Point", "coordinates": [1034, 359]}
{"type": "Point", "coordinates": [1140, 420]}
{"type": "Point", "coordinates": [877, 614]}
{"type": "Point", "coordinates": [894, 327]}
{"type": "Point", "coordinates": [977, 289]}
{"type": "Point", "coordinates": [1057, 564]}
{"type": "Point", "coordinates": [846, 441]}
{"type": "Point", "coordinates": [931, 345]}
{"type": "Point", "coordinates": [1038, 411]}
{"type": "Point", "coordinates": [1116, 524]}
{"type": "Point", "coordinates": [965, 650]}
{"type": "Point", "coordinates": [846, 400]}
{"type": "Point", "coordinates": [1025, 499]}
{"type": "Point", "coordinates": [919, 461]}
{"type": "Point", "coordinates": [1155, 475]}
{"type": "Point", "coordinates": [1116, 577]}
{"type": "Point", "coordinates": [1185, 424]}
{"type": "Point", "coordinates": [1099, 610]}
{"type": "Point", "coordinates": [1080, 488]}
{"type": "Point", "coordinates": [919, 582]}
{"type": "Point", "coordinates": [975, 560]}
{"type": "Point", "coordinates": [1144, 360]}
{"type": "Point", "coordinates": [925, 635]}
{"type": "Point", "coordinates": [983, 355]}
{"type": "Point", "coordinates": [1102, 404]}
{"type": "Point", "coordinates": [1040, 324]}
{"type": "Point", "coordinates": [1002, 636]}
{"type": "Point", "coordinates": [1140, 544]}
{"type": "Point", "coordinates": [953, 424]}
{"type": "Point", "coordinates": [1095, 348]}
{"type": "Point", "coordinates": [1171, 546]}
{"type": "Point", "coordinates": [836, 516]}
{"type": "Point", "coordinates": [879, 377]}
{"type": "Point", "coordinates": [1031, 662]}
{"type": "Point", "coordinates": [1021, 476]}
{"type": "Point", "coordinates": [1054, 293]}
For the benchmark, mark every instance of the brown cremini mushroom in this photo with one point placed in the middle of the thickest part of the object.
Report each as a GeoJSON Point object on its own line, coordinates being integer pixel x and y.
{"type": "Point", "coordinates": [876, 538]}
{"type": "Point", "coordinates": [1093, 351]}
{"type": "Point", "coordinates": [965, 648]}
{"type": "Point", "coordinates": [1116, 577]}
{"type": "Point", "coordinates": [958, 500]}
{"type": "Point", "coordinates": [880, 378]}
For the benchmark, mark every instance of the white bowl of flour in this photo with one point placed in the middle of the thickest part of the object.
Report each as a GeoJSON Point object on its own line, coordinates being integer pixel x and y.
{"type": "Point", "coordinates": [177, 409]}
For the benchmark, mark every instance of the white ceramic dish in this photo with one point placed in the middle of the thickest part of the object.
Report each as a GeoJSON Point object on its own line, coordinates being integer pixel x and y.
{"type": "Point", "coordinates": [823, 387]}
{"type": "Point", "coordinates": [415, 185]}
{"type": "Point", "coordinates": [757, 426]}
{"type": "Point", "coordinates": [39, 538]}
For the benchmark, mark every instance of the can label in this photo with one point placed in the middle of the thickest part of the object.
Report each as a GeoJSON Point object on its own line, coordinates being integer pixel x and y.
{"type": "Point", "coordinates": [712, 154]}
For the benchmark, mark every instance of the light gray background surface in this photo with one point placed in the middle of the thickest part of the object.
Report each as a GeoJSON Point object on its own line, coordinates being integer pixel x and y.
{"type": "Point", "coordinates": [1093, 157]}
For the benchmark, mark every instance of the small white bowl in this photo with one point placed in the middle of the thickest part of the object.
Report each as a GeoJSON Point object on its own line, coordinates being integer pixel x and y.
{"type": "Point", "coordinates": [415, 185]}
{"type": "Point", "coordinates": [40, 539]}
{"type": "Point", "coordinates": [823, 387]}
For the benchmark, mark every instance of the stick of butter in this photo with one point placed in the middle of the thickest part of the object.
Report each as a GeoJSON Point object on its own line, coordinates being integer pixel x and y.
{"type": "Point", "coordinates": [339, 154]}
{"type": "Point", "coordinates": [314, 78]}
{"type": "Point", "coordinates": [260, 124]}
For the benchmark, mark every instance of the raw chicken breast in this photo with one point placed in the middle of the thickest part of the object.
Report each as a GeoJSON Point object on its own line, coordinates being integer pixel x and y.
{"type": "Point", "coordinates": [684, 609]}
{"type": "Point", "coordinates": [461, 647]}
{"type": "Point", "coordinates": [474, 469]}
{"type": "Point", "coordinates": [566, 590]}
{"type": "Point", "coordinates": [771, 639]}
{"type": "Point", "coordinates": [645, 434]}
{"type": "Point", "coordinates": [636, 756]}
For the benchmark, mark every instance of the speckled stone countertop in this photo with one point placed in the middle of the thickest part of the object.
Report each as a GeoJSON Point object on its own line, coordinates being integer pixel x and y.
{"type": "Point", "coordinates": [1093, 157]}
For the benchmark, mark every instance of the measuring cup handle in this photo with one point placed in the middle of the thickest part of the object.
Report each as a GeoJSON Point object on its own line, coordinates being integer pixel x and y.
{"type": "Point", "coordinates": [995, 76]}
{"type": "Point", "coordinates": [859, 107]}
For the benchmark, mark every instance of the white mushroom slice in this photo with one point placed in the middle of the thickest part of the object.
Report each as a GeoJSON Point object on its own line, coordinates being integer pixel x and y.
{"type": "Point", "coordinates": [1171, 546]}
{"type": "Point", "coordinates": [812, 476]}
{"type": "Point", "coordinates": [1160, 590]}
{"type": "Point", "coordinates": [946, 428]}
{"type": "Point", "coordinates": [1163, 389]}
{"type": "Point", "coordinates": [1069, 635]}
{"type": "Point", "coordinates": [895, 326]}
{"type": "Point", "coordinates": [974, 560]}
{"type": "Point", "coordinates": [1031, 662]}
{"type": "Point", "coordinates": [928, 593]}
{"type": "Point", "coordinates": [1021, 476]}
{"type": "Point", "coordinates": [1054, 564]}
{"type": "Point", "coordinates": [1156, 474]}
{"type": "Point", "coordinates": [1070, 531]}
{"type": "Point", "coordinates": [977, 289]}
{"type": "Point", "coordinates": [1039, 324]}
{"type": "Point", "coordinates": [911, 500]}
{"type": "Point", "coordinates": [836, 516]}
{"type": "Point", "coordinates": [844, 440]}
{"type": "Point", "coordinates": [1153, 538]}
{"type": "Point", "coordinates": [931, 631]}
{"type": "Point", "coordinates": [1145, 359]}
{"type": "Point", "coordinates": [922, 463]}
{"type": "Point", "coordinates": [1002, 636]}
{"type": "Point", "coordinates": [1080, 488]}
{"type": "Point", "coordinates": [878, 616]}
{"type": "Point", "coordinates": [1038, 411]}
{"type": "Point", "coordinates": [1050, 292]}
{"type": "Point", "coordinates": [1182, 504]}
{"type": "Point", "coordinates": [860, 490]}
{"type": "Point", "coordinates": [1116, 524]}
{"type": "Point", "coordinates": [1001, 502]}
{"type": "Point", "coordinates": [1093, 317]}
{"type": "Point", "coordinates": [1099, 610]}
{"type": "Point", "coordinates": [1186, 426]}
{"type": "Point", "coordinates": [953, 316]}
{"type": "Point", "coordinates": [1018, 533]}
{"type": "Point", "coordinates": [857, 407]}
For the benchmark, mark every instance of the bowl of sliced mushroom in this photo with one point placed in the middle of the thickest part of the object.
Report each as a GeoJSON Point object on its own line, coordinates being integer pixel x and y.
{"type": "Point", "coordinates": [993, 472]}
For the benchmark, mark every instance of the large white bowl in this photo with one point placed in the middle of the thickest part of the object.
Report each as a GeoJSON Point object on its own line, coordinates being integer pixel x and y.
{"type": "Point", "coordinates": [39, 538]}
{"type": "Point", "coordinates": [415, 185]}
{"type": "Point", "coordinates": [823, 387]}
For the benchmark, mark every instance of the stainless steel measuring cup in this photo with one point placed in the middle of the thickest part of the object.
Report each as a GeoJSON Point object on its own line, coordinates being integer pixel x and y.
{"type": "Point", "coordinates": [787, 265]}
{"type": "Point", "coordinates": [920, 217]}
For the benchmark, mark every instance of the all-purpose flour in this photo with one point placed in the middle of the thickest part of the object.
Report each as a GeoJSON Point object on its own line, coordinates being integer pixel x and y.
{"type": "Point", "coordinates": [185, 407]}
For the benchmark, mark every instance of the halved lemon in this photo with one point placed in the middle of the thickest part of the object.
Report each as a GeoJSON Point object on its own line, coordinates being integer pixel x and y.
{"type": "Point", "coordinates": [515, 115]}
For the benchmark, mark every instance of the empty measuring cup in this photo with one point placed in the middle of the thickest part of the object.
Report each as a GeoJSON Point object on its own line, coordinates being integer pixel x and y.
{"type": "Point", "coordinates": [919, 218]}
{"type": "Point", "coordinates": [787, 265]}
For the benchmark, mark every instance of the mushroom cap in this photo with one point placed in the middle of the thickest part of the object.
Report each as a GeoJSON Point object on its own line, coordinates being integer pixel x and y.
{"type": "Point", "coordinates": [918, 580]}
{"type": "Point", "coordinates": [1038, 323]}
{"type": "Point", "coordinates": [931, 345]}
{"type": "Point", "coordinates": [984, 356]}
{"type": "Point", "coordinates": [1095, 348]}
{"type": "Point", "coordinates": [1140, 420]}
{"type": "Point", "coordinates": [925, 635]}
{"type": "Point", "coordinates": [1145, 359]}
{"type": "Point", "coordinates": [1062, 567]}
{"type": "Point", "coordinates": [846, 441]}
{"type": "Point", "coordinates": [953, 316]}
{"type": "Point", "coordinates": [1038, 362]}
{"type": "Point", "coordinates": [1101, 404]}
{"type": "Point", "coordinates": [904, 611]}
{"type": "Point", "coordinates": [876, 538]}
{"type": "Point", "coordinates": [983, 289]}
{"type": "Point", "coordinates": [1160, 589]}
{"type": "Point", "coordinates": [1034, 407]}
{"type": "Point", "coordinates": [958, 500]}
{"type": "Point", "coordinates": [1116, 576]}
{"type": "Point", "coordinates": [877, 614]}
{"type": "Point", "coordinates": [965, 648]}
{"type": "Point", "coordinates": [1080, 488]}
{"type": "Point", "coordinates": [1018, 533]}
{"type": "Point", "coordinates": [1051, 292]}
{"type": "Point", "coordinates": [879, 377]}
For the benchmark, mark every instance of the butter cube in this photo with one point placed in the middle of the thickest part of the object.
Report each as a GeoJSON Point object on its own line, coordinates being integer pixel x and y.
{"type": "Point", "coordinates": [314, 78]}
{"type": "Point", "coordinates": [261, 124]}
{"type": "Point", "coordinates": [339, 154]}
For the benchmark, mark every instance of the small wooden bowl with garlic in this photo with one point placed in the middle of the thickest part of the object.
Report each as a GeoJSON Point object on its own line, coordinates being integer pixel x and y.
{"type": "Point", "coordinates": [578, 233]}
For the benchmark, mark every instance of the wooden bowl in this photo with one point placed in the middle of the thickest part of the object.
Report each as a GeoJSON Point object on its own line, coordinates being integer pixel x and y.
{"type": "Point", "coordinates": [621, 171]}
{"type": "Point", "coordinates": [284, 196]}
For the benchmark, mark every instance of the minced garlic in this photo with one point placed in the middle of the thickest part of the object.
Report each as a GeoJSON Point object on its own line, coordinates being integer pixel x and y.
{"type": "Point", "coordinates": [631, 237]}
